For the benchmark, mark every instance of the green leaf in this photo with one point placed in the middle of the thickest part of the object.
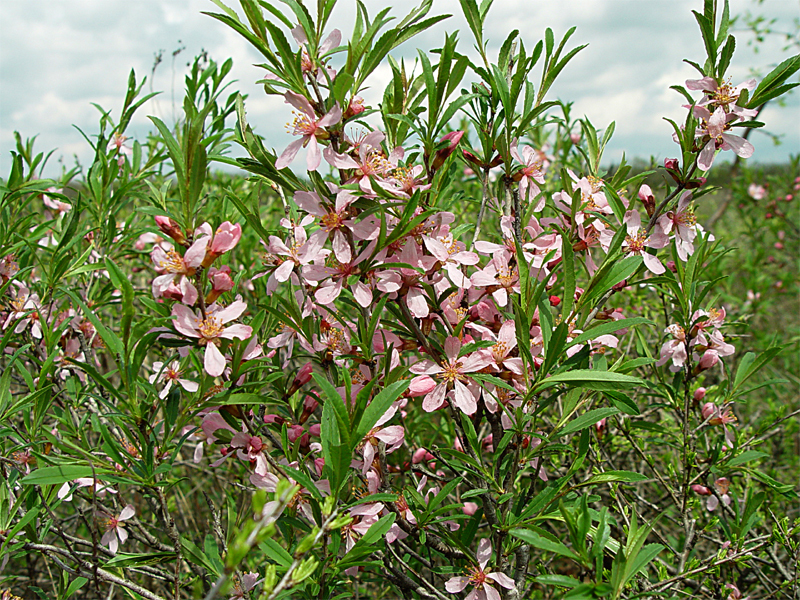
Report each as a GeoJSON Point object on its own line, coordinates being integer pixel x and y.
{"type": "Point", "coordinates": [597, 380]}
{"type": "Point", "coordinates": [586, 420]}
{"type": "Point", "coordinates": [60, 474]}
{"type": "Point", "coordinates": [746, 457]}
{"type": "Point", "coordinates": [608, 327]}
{"type": "Point", "coordinates": [543, 543]}
{"type": "Point", "coordinates": [75, 585]}
{"type": "Point", "coordinates": [615, 476]}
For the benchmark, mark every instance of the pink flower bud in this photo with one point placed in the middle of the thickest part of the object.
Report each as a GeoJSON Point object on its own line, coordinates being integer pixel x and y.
{"type": "Point", "coordinates": [355, 107]}
{"type": "Point", "coordinates": [709, 409]}
{"type": "Point", "coordinates": [293, 432]}
{"type": "Point", "coordinates": [420, 454]}
{"type": "Point", "coordinates": [701, 490]}
{"type": "Point", "coordinates": [226, 237]}
{"type": "Point", "coordinates": [600, 427]}
{"type": "Point", "coordinates": [469, 508]}
{"type": "Point", "coordinates": [575, 138]}
{"type": "Point", "coordinates": [171, 228]}
{"type": "Point", "coordinates": [648, 200]}
{"type": "Point", "coordinates": [699, 394]}
{"type": "Point", "coordinates": [304, 376]}
{"type": "Point", "coordinates": [709, 359]}
{"type": "Point", "coordinates": [453, 138]}
{"type": "Point", "coordinates": [315, 429]}
{"type": "Point", "coordinates": [671, 164]}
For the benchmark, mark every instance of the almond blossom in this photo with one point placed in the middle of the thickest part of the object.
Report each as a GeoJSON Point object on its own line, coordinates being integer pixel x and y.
{"type": "Point", "coordinates": [25, 311]}
{"type": "Point", "coordinates": [210, 331]}
{"type": "Point", "coordinates": [724, 96]}
{"type": "Point", "coordinates": [392, 436]}
{"type": "Point", "coordinates": [116, 533]}
{"type": "Point", "coordinates": [309, 127]}
{"type": "Point", "coordinates": [171, 374]}
{"type": "Point", "coordinates": [683, 224]}
{"type": "Point", "coordinates": [532, 172]}
{"type": "Point", "coordinates": [172, 265]}
{"type": "Point", "coordinates": [480, 578]}
{"type": "Point", "coordinates": [452, 374]}
{"type": "Point", "coordinates": [714, 127]}
{"type": "Point", "coordinates": [637, 241]}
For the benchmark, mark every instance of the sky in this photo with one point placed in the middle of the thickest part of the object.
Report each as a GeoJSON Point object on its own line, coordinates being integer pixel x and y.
{"type": "Point", "coordinates": [58, 57]}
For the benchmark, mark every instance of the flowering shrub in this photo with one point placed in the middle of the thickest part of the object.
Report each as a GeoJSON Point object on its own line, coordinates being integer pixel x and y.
{"type": "Point", "coordinates": [433, 364]}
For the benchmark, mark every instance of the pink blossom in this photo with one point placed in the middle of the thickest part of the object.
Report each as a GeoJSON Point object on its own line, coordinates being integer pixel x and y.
{"type": "Point", "coordinates": [172, 265]}
{"type": "Point", "coordinates": [683, 224]}
{"type": "Point", "coordinates": [210, 331]}
{"type": "Point", "coordinates": [724, 96]}
{"type": "Point", "coordinates": [674, 349]}
{"type": "Point", "coordinates": [115, 529]}
{"type": "Point", "coordinates": [480, 578]}
{"type": "Point", "coordinates": [25, 309]}
{"type": "Point", "coordinates": [714, 127]}
{"type": "Point", "coordinates": [532, 172]}
{"type": "Point", "coordinates": [244, 584]}
{"type": "Point", "coordinates": [392, 436]}
{"type": "Point", "coordinates": [100, 488]}
{"type": "Point", "coordinates": [453, 374]}
{"type": "Point", "coordinates": [637, 241]}
{"type": "Point", "coordinates": [309, 128]}
{"type": "Point", "coordinates": [171, 374]}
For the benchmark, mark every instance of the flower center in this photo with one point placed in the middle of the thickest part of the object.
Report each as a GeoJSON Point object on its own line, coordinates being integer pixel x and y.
{"type": "Point", "coordinates": [301, 124]}
{"type": "Point", "coordinates": [476, 576]}
{"type": "Point", "coordinates": [331, 221]}
{"type": "Point", "coordinates": [452, 372]}
{"type": "Point", "coordinates": [499, 351]}
{"type": "Point", "coordinates": [596, 183]}
{"type": "Point", "coordinates": [210, 327]}
{"type": "Point", "coordinates": [636, 242]}
{"type": "Point", "coordinates": [173, 263]}
{"type": "Point", "coordinates": [506, 277]}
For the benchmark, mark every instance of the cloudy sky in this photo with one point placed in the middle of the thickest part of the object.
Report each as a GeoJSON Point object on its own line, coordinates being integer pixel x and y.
{"type": "Point", "coordinates": [57, 57]}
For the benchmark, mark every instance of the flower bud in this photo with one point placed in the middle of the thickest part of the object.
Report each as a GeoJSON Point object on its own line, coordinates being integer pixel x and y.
{"type": "Point", "coordinates": [648, 200]}
{"type": "Point", "coordinates": [575, 138]}
{"type": "Point", "coordinates": [171, 228]}
{"type": "Point", "coordinates": [600, 428]}
{"type": "Point", "coordinates": [699, 394]}
{"type": "Point", "coordinates": [555, 300]}
{"type": "Point", "coordinates": [420, 455]}
{"type": "Point", "coordinates": [453, 138]}
{"type": "Point", "coordinates": [701, 490]}
{"type": "Point", "coordinates": [709, 409]}
{"type": "Point", "coordinates": [469, 508]}
{"type": "Point", "coordinates": [709, 359]}
{"type": "Point", "coordinates": [355, 107]}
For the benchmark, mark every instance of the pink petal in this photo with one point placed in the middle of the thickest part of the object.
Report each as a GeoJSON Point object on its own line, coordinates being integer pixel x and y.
{"type": "Point", "coordinates": [739, 145]}
{"type": "Point", "coordinates": [233, 311]}
{"type": "Point", "coordinates": [484, 553]}
{"type": "Point", "coordinates": [434, 400]}
{"type": "Point", "coordinates": [288, 155]}
{"type": "Point", "coordinates": [464, 398]}
{"type": "Point", "coordinates": [213, 361]}
{"type": "Point", "coordinates": [502, 579]}
{"type": "Point", "coordinates": [240, 331]}
{"type": "Point", "coordinates": [454, 585]}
